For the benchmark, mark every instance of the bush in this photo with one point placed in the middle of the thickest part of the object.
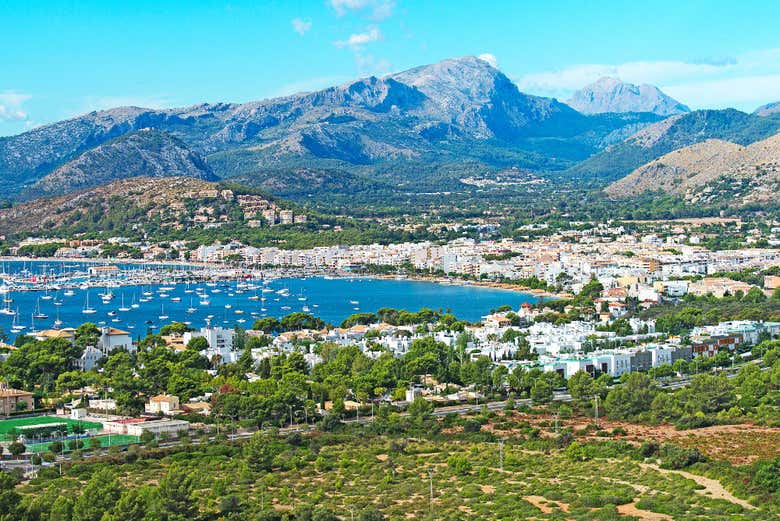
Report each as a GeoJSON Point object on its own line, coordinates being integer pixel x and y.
{"type": "Point", "coordinates": [471, 426]}
{"type": "Point", "coordinates": [459, 464]}
{"type": "Point", "coordinates": [674, 457]}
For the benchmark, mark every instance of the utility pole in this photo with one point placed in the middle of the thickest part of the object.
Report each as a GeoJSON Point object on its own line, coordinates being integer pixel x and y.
{"type": "Point", "coordinates": [597, 411]}
{"type": "Point", "coordinates": [501, 454]}
{"type": "Point", "coordinates": [556, 422]}
{"type": "Point", "coordinates": [430, 501]}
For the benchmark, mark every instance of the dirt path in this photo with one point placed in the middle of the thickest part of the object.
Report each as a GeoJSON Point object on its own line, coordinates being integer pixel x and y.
{"type": "Point", "coordinates": [712, 487]}
{"type": "Point", "coordinates": [630, 509]}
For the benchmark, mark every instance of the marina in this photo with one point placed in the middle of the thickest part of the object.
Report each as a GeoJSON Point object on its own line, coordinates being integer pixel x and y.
{"type": "Point", "coordinates": [141, 298]}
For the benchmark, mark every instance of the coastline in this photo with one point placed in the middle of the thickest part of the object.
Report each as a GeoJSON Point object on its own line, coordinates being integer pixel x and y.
{"type": "Point", "coordinates": [293, 272]}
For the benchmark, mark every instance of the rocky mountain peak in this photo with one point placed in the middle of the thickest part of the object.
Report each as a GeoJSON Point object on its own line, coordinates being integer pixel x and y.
{"type": "Point", "coordinates": [609, 94]}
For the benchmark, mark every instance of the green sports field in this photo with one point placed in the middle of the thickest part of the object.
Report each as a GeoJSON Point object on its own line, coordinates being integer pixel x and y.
{"type": "Point", "coordinates": [105, 441]}
{"type": "Point", "coordinates": [7, 426]}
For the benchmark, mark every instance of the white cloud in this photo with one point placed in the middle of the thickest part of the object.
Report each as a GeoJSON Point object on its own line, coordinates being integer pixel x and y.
{"type": "Point", "coordinates": [490, 59]}
{"type": "Point", "coordinates": [11, 106]}
{"type": "Point", "coordinates": [743, 82]}
{"type": "Point", "coordinates": [379, 9]}
{"type": "Point", "coordinates": [309, 85]}
{"type": "Point", "coordinates": [369, 65]}
{"type": "Point", "coordinates": [358, 40]}
{"type": "Point", "coordinates": [300, 26]}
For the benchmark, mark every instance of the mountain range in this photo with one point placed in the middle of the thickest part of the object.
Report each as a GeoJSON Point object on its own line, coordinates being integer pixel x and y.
{"type": "Point", "coordinates": [413, 130]}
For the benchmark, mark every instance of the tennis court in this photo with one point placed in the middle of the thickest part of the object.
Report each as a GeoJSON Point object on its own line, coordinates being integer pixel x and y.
{"type": "Point", "coordinates": [105, 441]}
{"type": "Point", "coordinates": [7, 426]}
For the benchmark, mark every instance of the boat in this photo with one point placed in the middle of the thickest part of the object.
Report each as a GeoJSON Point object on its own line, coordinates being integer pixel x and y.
{"type": "Point", "coordinates": [46, 295]}
{"type": "Point", "coordinates": [205, 302]}
{"type": "Point", "coordinates": [7, 310]}
{"type": "Point", "coordinates": [15, 326]}
{"type": "Point", "coordinates": [175, 299]}
{"type": "Point", "coordinates": [68, 293]}
{"type": "Point", "coordinates": [134, 304]}
{"type": "Point", "coordinates": [286, 308]}
{"type": "Point", "coordinates": [123, 308]}
{"type": "Point", "coordinates": [162, 316]}
{"type": "Point", "coordinates": [57, 321]}
{"type": "Point", "coordinates": [228, 306]}
{"type": "Point", "coordinates": [305, 309]}
{"type": "Point", "coordinates": [88, 310]}
{"type": "Point", "coordinates": [111, 313]}
{"type": "Point", "coordinates": [38, 314]}
{"type": "Point", "coordinates": [239, 311]}
{"type": "Point", "coordinates": [354, 302]}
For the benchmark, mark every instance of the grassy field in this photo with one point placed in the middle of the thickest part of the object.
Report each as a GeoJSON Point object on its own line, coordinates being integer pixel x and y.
{"type": "Point", "coordinates": [105, 441]}
{"type": "Point", "coordinates": [7, 425]}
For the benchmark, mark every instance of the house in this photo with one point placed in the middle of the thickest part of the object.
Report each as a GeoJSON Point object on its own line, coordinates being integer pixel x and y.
{"type": "Point", "coordinates": [12, 400]}
{"type": "Point", "coordinates": [68, 334]}
{"type": "Point", "coordinates": [112, 339]}
{"type": "Point", "coordinates": [166, 404]}
{"type": "Point", "coordinates": [89, 358]}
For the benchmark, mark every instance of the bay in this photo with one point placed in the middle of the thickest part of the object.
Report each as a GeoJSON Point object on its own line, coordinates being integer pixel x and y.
{"type": "Point", "coordinates": [231, 303]}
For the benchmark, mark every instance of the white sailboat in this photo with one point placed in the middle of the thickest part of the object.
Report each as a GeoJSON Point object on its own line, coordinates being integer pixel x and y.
{"type": "Point", "coordinates": [162, 316]}
{"type": "Point", "coordinates": [88, 310]}
{"type": "Point", "coordinates": [123, 308]}
{"type": "Point", "coordinates": [38, 314]}
{"type": "Point", "coordinates": [16, 327]}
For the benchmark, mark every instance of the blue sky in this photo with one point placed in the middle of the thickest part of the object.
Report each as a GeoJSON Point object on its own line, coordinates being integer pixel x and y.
{"type": "Point", "coordinates": [65, 58]}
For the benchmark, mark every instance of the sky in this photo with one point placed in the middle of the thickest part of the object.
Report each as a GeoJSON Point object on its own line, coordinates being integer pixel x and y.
{"type": "Point", "coordinates": [64, 58]}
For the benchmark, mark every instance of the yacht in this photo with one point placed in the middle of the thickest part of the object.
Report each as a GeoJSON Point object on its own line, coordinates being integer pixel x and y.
{"type": "Point", "coordinates": [68, 293]}
{"type": "Point", "coordinates": [38, 314]}
{"type": "Point", "coordinates": [46, 295]}
{"type": "Point", "coordinates": [16, 327]}
{"type": "Point", "coordinates": [57, 321]}
{"type": "Point", "coordinates": [123, 308]}
{"type": "Point", "coordinates": [162, 316]}
{"type": "Point", "coordinates": [134, 304]}
{"type": "Point", "coordinates": [88, 310]}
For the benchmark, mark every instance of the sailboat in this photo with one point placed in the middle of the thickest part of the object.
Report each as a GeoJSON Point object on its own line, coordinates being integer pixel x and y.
{"type": "Point", "coordinates": [134, 304]}
{"type": "Point", "coordinates": [191, 309]}
{"type": "Point", "coordinates": [38, 313]}
{"type": "Point", "coordinates": [16, 327]}
{"type": "Point", "coordinates": [68, 292]}
{"type": "Point", "coordinates": [123, 308]}
{"type": "Point", "coordinates": [88, 310]}
{"type": "Point", "coordinates": [7, 309]}
{"type": "Point", "coordinates": [162, 316]}
{"type": "Point", "coordinates": [46, 295]}
{"type": "Point", "coordinates": [57, 321]}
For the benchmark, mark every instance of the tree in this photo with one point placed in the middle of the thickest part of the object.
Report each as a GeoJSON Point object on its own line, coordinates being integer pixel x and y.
{"type": "Point", "coordinates": [95, 443]}
{"type": "Point", "coordinates": [175, 493]}
{"type": "Point", "coordinates": [542, 391]}
{"type": "Point", "coordinates": [581, 385]}
{"type": "Point", "coordinates": [99, 496]}
{"type": "Point", "coordinates": [420, 408]}
{"type": "Point", "coordinates": [198, 344]}
{"type": "Point", "coordinates": [17, 449]}
{"type": "Point", "coordinates": [632, 397]}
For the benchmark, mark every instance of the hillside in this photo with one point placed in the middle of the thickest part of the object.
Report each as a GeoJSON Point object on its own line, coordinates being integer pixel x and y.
{"type": "Point", "coordinates": [675, 132]}
{"type": "Point", "coordinates": [449, 111]}
{"type": "Point", "coordinates": [145, 153]}
{"type": "Point", "coordinates": [613, 95]}
{"type": "Point", "coordinates": [138, 195]}
{"type": "Point", "coordinates": [768, 109]}
{"type": "Point", "coordinates": [752, 172]}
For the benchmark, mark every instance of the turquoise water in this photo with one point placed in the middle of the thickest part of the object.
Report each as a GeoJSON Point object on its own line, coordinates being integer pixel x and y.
{"type": "Point", "coordinates": [330, 299]}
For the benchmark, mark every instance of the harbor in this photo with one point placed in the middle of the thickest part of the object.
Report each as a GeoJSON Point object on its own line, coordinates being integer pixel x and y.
{"type": "Point", "coordinates": [141, 298]}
